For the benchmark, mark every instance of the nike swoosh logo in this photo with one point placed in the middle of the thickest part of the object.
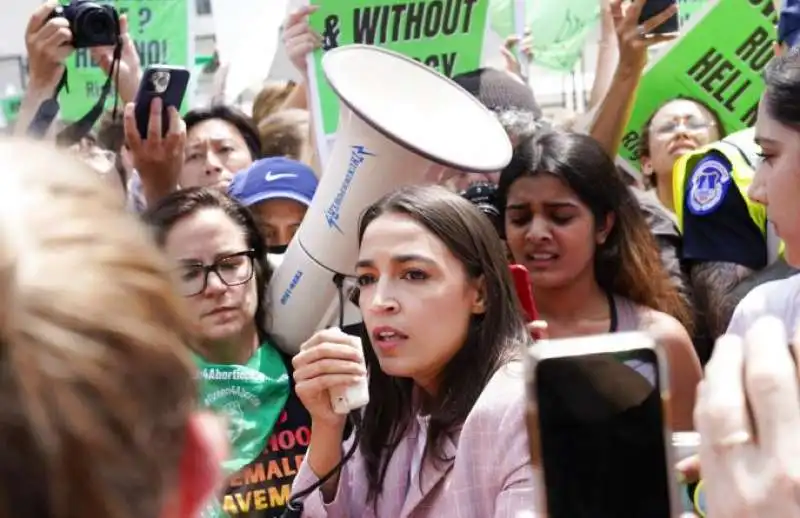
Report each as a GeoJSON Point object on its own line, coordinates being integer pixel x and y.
{"type": "Point", "coordinates": [271, 177]}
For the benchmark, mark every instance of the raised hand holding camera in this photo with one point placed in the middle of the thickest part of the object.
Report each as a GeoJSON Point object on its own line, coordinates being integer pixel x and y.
{"type": "Point", "coordinates": [130, 66]}
{"type": "Point", "coordinates": [53, 32]}
{"type": "Point", "coordinates": [49, 42]}
{"type": "Point", "coordinates": [91, 24]}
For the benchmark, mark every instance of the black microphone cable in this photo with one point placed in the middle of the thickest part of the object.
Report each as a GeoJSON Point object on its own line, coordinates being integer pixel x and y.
{"type": "Point", "coordinates": [294, 508]}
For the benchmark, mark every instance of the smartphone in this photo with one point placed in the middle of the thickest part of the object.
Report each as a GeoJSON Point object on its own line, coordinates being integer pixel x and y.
{"type": "Point", "coordinates": [652, 8]}
{"type": "Point", "coordinates": [166, 82]}
{"type": "Point", "coordinates": [597, 420]}
{"type": "Point", "coordinates": [522, 283]}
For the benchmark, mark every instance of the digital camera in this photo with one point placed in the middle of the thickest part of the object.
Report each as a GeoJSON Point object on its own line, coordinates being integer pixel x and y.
{"type": "Point", "coordinates": [92, 24]}
{"type": "Point", "coordinates": [483, 195]}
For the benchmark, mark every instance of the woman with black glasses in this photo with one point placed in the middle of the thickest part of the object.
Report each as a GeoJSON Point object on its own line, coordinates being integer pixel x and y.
{"type": "Point", "coordinates": [220, 267]}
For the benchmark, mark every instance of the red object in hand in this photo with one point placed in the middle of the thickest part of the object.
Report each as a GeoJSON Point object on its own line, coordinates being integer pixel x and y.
{"type": "Point", "coordinates": [522, 283]}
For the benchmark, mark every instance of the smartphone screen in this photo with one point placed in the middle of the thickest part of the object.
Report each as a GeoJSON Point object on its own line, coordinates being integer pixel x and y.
{"type": "Point", "coordinates": [601, 433]}
{"type": "Point", "coordinates": [165, 82]}
{"type": "Point", "coordinates": [652, 8]}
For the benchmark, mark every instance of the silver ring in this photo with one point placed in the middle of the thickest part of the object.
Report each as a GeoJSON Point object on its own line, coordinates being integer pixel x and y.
{"type": "Point", "coordinates": [739, 438]}
{"type": "Point", "coordinates": [641, 31]}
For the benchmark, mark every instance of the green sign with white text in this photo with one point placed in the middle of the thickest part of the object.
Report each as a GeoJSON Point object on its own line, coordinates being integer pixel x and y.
{"type": "Point", "coordinates": [160, 31]}
{"type": "Point", "coordinates": [447, 35]}
{"type": "Point", "coordinates": [718, 62]}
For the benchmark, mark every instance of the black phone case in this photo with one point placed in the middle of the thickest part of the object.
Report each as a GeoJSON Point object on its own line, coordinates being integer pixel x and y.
{"type": "Point", "coordinates": [172, 96]}
{"type": "Point", "coordinates": [652, 8]}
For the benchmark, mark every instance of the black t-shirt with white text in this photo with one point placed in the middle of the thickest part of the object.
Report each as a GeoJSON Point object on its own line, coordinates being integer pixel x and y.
{"type": "Point", "coordinates": [262, 488]}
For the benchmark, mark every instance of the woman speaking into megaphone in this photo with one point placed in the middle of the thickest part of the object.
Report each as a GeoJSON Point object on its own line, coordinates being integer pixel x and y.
{"type": "Point", "coordinates": [442, 349]}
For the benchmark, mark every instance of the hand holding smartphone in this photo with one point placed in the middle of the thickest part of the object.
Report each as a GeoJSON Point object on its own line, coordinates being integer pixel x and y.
{"type": "Point", "coordinates": [597, 420]}
{"type": "Point", "coordinates": [652, 20]}
{"type": "Point", "coordinates": [163, 82]}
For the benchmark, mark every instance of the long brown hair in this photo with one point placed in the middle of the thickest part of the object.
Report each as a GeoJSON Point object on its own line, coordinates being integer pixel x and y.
{"type": "Point", "coordinates": [493, 338]}
{"type": "Point", "coordinates": [96, 383]}
{"type": "Point", "coordinates": [627, 263]}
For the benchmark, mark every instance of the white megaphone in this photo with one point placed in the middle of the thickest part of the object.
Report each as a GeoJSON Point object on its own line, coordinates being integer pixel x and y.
{"type": "Point", "coordinates": [398, 120]}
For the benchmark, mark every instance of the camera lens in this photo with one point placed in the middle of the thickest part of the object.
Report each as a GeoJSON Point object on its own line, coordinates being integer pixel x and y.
{"type": "Point", "coordinates": [96, 24]}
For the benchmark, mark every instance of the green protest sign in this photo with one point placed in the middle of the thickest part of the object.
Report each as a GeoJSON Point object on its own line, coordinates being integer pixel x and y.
{"type": "Point", "coordinates": [559, 29]}
{"type": "Point", "coordinates": [160, 30]}
{"type": "Point", "coordinates": [502, 17]}
{"type": "Point", "coordinates": [446, 35]}
{"type": "Point", "coordinates": [9, 106]}
{"type": "Point", "coordinates": [717, 62]}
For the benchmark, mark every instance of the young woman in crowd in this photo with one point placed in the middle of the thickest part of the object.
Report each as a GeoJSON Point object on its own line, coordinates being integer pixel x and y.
{"type": "Point", "coordinates": [675, 128]}
{"type": "Point", "coordinates": [219, 259]}
{"type": "Point", "coordinates": [751, 383]}
{"type": "Point", "coordinates": [594, 267]}
{"type": "Point", "coordinates": [443, 432]}
{"type": "Point", "coordinates": [97, 389]}
{"type": "Point", "coordinates": [777, 186]}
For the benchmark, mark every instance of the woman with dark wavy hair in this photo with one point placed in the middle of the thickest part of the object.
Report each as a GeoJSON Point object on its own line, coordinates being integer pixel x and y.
{"type": "Point", "coordinates": [594, 266]}
{"type": "Point", "coordinates": [444, 432]}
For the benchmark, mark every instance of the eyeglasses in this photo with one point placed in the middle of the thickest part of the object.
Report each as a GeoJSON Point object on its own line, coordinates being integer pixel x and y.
{"type": "Point", "coordinates": [692, 124]}
{"type": "Point", "coordinates": [232, 270]}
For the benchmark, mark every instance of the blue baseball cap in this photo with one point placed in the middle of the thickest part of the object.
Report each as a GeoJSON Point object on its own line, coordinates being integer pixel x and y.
{"type": "Point", "coordinates": [789, 23]}
{"type": "Point", "coordinates": [274, 178]}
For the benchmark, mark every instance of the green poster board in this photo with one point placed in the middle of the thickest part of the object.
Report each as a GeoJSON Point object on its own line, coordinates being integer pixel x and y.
{"type": "Point", "coordinates": [447, 35]}
{"type": "Point", "coordinates": [10, 108]}
{"type": "Point", "coordinates": [717, 61]}
{"type": "Point", "coordinates": [160, 30]}
{"type": "Point", "coordinates": [559, 28]}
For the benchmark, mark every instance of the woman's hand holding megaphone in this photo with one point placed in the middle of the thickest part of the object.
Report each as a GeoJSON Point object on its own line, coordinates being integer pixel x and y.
{"type": "Point", "coordinates": [328, 360]}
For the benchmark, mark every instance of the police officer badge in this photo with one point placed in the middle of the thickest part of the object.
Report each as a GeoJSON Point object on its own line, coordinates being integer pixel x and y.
{"type": "Point", "coordinates": [708, 185]}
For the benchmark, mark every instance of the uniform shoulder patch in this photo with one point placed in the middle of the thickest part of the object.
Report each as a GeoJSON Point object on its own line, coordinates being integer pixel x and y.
{"type": "Point", "coordinates": [708, 185]}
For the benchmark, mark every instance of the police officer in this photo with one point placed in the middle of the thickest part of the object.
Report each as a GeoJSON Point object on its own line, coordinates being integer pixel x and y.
{"type": "Point", "coordinates": [726, 236]}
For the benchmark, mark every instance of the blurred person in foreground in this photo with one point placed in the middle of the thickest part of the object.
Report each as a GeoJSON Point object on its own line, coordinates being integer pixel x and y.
{"type": "Point", "coordinates": [748, 413]}
{"type": "Point", "coordinates": [97, 390]}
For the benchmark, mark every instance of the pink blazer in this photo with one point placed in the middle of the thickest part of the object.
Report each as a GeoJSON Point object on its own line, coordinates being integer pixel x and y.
{"type": "Point", "coordinates": [490, 474]}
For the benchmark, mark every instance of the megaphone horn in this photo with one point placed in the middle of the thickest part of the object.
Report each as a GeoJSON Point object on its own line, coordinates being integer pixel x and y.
{"type": "Point", "coordinates": [398, 120]}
